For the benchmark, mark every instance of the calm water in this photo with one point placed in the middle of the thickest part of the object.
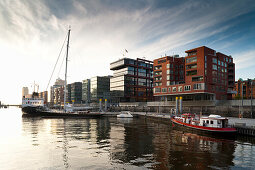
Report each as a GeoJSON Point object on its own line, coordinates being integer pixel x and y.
{"type": "Point", "coordinates": [110, 143]}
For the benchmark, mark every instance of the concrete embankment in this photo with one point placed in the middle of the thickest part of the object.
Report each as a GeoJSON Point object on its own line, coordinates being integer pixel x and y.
{"type": "Point", "coordinates": [227, 108]}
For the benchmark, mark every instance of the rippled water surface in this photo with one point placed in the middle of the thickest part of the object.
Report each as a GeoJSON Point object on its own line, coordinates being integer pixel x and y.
{"type": "Point", "coordinates": [111, 143]}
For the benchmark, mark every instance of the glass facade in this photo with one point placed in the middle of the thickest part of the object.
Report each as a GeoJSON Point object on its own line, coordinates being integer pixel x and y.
{"type": "Point", "coordinates": [76, 92]}
{"type": "Point", "coordinates": [100, 88]}
{"type": "Point", "coordinates": [86, 91]}
{"type": "Point", "coordinates": [132, 82]}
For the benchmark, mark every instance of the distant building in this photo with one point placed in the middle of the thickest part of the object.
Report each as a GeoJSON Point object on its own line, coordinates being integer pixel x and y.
{"type": "Point", "coordinates": [59, 95]}
{"type": "Point", "coordinates": [86, 94]}
{"type": "Point", "coordinates": [25, 91]}
{"type": "Point", "coordinates": [76, 92]}
{"type": "Point", "coordinates": [132, 80]}
{"type": "Point", "coordinates": [203, 74]}
{"type": "Point", "coordinates": [44, 95]}
{"type": "Point", "coordinates": [68, 95]}
{"type": "Point", "coordinates": [58, 83]}
{"type": "Point", "coordinates": [100, 88]}
{"type": "Point", "coordinates": [248, 87]}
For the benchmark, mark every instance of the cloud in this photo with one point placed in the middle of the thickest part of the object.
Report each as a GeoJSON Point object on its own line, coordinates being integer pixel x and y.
{"type": "Point", "coordinates": [244, 60]}
{"type": "Point", "coordinates": [32, 32]}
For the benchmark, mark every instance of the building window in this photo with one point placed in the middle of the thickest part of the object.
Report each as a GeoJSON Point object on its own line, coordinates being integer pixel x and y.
{"type": "Point", "coordinates": [199, 78]}
{"type": "Point", "coordinates": [180, 89]}
{"type": "Point", "coordinates": [198, 86]}
{"type": "Point", "coordinates": [157, 67]}
{"type": "Point", "coordinates": [191, 60]}
{"type": "Point", "coordinates": [214, 67]}
{"type": "Point", "coordinates": [191, 73]}
{"type": "Point", "coordinates": [169, 71]}
{"type": "Point", "coordinates": [157, 78]}
{"type": "Point", "coordinates": [157, 90]}
{"type": "Point", "coordinates": [157, 73]}
{"type": "Point", "coordinates": [191, 66]}
{"type": "Point", "coordinates": [174, 89]}
{"type": "Point", "coordinates": [187, 88]}
{"type": "Point", "coordinates": [164, 90]}
{"type": "Point", "coordinates": [214, 60]}
{"type": "Point", "coordinates": [169, 89]}
{"type": "Point", "coordinates": [161, 61]}
{"type": "Point", "coordinates": [158, 84]}
{"type": "Point", "coordinates": [192, 53]}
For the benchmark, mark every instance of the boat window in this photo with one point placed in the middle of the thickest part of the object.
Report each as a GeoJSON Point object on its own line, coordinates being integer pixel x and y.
{"type": "Point", "coordinates": [219, 122]}
{"type": "Point", "coordinates": [207, 121]}
{"type": "Point", "coordinates": [211, 121]}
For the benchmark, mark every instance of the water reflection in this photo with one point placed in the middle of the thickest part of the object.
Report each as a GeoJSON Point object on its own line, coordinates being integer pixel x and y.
{"type": "Point", "coordinates": [111, 143]}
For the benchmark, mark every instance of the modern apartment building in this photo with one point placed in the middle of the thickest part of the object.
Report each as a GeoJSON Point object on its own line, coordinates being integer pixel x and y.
{"type": "Point", "coordinates": [86, 91]}
{"type": "Point", "coordinates": [100, 88]}
{"type": "Point", "coordinates": [203, 74]}
{"type": "Point", "coordinates": [132, 80]}
{"type": "Point", "coordinates": [59, 95]}
{"type": "Point", "coordinates": [58, 83]}
{"type": "Point", "coordinates": [245, 89]}
{"type": "Point", "coordinates": [76, 92]}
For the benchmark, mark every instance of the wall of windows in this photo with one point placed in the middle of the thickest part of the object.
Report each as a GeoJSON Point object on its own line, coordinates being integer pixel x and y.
{"type": "Point", "coordinates": [191, 60]}
{"type": "Point", "coordinates": [191, 66]}
{"type": "Point", "coordinates": [187, 88]}
{"type": "Point", "coordinates": [191, 73]}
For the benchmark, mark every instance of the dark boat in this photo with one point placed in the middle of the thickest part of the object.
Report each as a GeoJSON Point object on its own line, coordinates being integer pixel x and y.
{"type": "Point", "coordinates": [45, 112]}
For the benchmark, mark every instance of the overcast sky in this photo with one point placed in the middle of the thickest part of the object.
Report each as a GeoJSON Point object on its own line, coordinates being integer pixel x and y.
{"type": "Point", "coordinates": [32, 33]}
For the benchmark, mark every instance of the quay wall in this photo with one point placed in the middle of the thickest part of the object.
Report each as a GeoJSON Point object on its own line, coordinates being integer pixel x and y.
{"type": "Point", "coordinates": [229, 108]}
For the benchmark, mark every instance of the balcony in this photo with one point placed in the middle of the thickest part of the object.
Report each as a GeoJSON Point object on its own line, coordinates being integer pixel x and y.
{"type": "Point", "coordinates": [117, 65]}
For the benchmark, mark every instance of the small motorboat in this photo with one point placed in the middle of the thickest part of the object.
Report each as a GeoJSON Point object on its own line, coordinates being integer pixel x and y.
{"type": "Point", "coordinates": [125, 114]}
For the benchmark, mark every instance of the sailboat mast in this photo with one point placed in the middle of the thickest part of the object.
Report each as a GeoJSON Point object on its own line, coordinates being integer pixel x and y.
{"type": "Point", "coordinates": [67, 47]}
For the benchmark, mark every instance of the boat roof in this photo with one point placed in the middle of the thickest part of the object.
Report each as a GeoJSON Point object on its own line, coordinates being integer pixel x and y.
{"type": "Point", "coordinates": [214, 117]}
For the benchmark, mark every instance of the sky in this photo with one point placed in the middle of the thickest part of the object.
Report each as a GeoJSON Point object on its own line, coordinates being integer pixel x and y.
{"type": "Point", "coordinates": [32, 34]}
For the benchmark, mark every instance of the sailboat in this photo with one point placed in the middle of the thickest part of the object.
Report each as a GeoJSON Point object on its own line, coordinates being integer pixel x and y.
{"type": "Point", "coordinates": [35, 106]}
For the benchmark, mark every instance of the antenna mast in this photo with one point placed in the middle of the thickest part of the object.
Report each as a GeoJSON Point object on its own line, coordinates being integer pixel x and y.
{"type": "Point", "coordinates": [67, 46]}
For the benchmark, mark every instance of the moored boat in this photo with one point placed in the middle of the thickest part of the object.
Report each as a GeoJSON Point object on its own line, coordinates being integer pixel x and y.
{"type": "Point", "coordinates": [214, 124]}
{"type": "Point", "coordinates": [35, 106]}
{"type": "Point", "coordinates": [125, 114]}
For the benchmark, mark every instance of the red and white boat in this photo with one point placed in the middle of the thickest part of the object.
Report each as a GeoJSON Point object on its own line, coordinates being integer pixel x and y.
{"type": "Point", "coordinates": [213, 123]}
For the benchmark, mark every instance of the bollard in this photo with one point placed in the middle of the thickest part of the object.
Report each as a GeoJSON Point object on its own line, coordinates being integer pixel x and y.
{"type": "Point", "coordinates": [180, 105]}
{"type": "Point", "coordinates": [100, 105]}
{"type": "Point", "coordinates": [105, 105]}
{"type": "Point", "coordinates": [176, 107]}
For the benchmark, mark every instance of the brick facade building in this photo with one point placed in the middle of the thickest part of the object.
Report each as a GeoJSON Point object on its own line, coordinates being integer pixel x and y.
{"type": "Point", "coordinates": [203, 74]}
{"type": "Point", "coordinates": [248, 89]}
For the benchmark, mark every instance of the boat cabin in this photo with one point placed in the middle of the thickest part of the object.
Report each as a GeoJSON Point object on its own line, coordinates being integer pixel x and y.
{"type": "Point", "coordinates": [215, 121]}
